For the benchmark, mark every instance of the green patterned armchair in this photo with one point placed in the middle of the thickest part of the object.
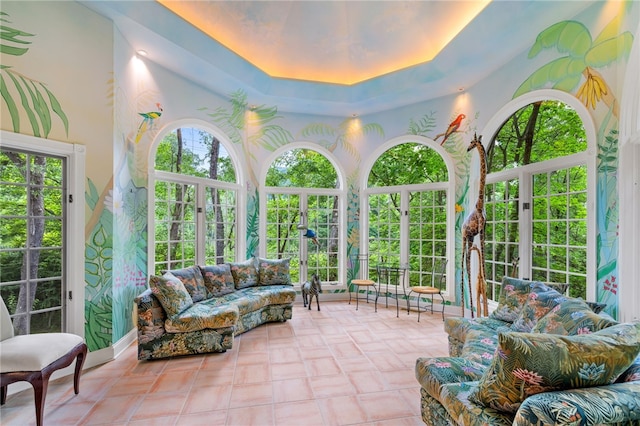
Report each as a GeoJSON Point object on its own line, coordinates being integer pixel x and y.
{"type": "Point", "coordinates": [540, 358]}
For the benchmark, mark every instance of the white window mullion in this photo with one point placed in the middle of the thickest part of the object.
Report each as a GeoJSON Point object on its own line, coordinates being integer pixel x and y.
{"type": "Point", "coordinates": [404, 226]}
{"type": "Point", "coordinates": [304, 255]}
{"type": "Point", "coordinates": [525, 227]}
{"type": "Point", "coordinates": [201, 228]}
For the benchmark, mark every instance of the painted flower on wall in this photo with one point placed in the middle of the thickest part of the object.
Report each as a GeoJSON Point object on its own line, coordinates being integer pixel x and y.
{"type": "Point", "coordinates": [113, 201]}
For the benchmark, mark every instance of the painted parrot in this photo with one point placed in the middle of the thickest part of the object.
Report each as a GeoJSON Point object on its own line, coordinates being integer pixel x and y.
{"type": "Point", "coordinates": [453, 127]}
{"type": "Point", "coordinates": [147, 121]}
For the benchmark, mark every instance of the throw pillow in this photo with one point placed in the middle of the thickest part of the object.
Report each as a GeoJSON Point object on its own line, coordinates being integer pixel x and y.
{"type": "Point", "coordinates": [529, 363]}
{"type": "Point", "coordinates": [244, 273]}
{"type": "Point", "coordinates": [273, 271]}
{"type": "Point", "coordinates": [171, 293]}
{"type": "Point", "coordinates": [480, 346]}
{"type": "Point", "coordinates": [539, 302]}
{"type": "Point", "coordinates": [512, 297]}
{"type": "Point", "coordinates": [218, 279]}
{"type": "Point", "coordinates": [193, 281]}
{"type": "Point", "coordinates": [571, 317]}
{"type": "Point", "coordinates": [631, 374]}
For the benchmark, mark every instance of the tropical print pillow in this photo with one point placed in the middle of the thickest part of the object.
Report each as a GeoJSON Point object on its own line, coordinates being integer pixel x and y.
{"type": "Point", "coordinates": [571, 317]}
{"type": "Point", "coordinates": [631, 374]}
{"type": "Point", "coordinates": [193, 281]}
{"type": "Point", "coordinates": [480, 346]}
{"type": "Point", "coordinates": [244, 273]}
{"type": "Point", "coordinates": [171, 293]}
{"type": "Point", "coordinates": [218, 279]}
{"type": "Point", "coordinates": [512, 298]}
{"type": "Point", "coordinates": [273, 271]}
{"type": "Point", "coordinates": [529, 363]}
{"type": "Point", "coordinates": [539, 302]}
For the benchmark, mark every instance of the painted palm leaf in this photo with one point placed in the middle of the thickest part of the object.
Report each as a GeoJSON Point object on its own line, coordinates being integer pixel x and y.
{"type": "Point", "coordinates": [10, 36]}
{"type": "Point", "coordinates": [23, 93]}
{"type": "Point", "coordinates": [564, 72]}
{"type": "Point", "coordinates": [569, 37]}
{"type": "Point", "coordinates": [609, 50]}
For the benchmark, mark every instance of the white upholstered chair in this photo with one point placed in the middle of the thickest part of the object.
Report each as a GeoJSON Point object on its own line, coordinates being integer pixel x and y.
{"type": "Point", "coordinates": [34, 357]}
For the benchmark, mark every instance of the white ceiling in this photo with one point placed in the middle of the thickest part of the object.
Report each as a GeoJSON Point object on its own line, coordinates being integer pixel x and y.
{"type": "Point", "coordinates": [365, 46]}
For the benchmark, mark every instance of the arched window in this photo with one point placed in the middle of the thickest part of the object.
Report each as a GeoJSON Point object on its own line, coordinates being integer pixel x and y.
{"type": "Point", "coordinates": [195, 198]}
{"type": "Point", "coordinates": [302, 214]}
{"type": "Point", "coordinates": [407, 193]}
{"type": "Point", "coordinates": [536, 198]}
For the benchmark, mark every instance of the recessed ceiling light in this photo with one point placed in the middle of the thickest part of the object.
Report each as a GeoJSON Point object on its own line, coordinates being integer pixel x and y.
{"type": "Point", "coordinates": [142, 52]}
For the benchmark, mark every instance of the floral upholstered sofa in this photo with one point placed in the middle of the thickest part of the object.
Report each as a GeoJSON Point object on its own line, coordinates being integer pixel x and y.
{"type": "Point", "coordinates": [200, 309]}
{"type": "Point", "coordinates": [541, 358]}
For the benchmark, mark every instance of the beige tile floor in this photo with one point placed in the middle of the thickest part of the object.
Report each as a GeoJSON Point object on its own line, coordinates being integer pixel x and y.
{"type": "Point", "coordinates": [338, 366]}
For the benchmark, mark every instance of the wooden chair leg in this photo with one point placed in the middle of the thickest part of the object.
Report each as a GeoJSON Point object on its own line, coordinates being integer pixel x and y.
{"type": "Point", "coordinates": [3, 395]}
{"type": "Point", "coordinates": [82, 355]}
{"type": "Point", "coordinates": [40, 385]}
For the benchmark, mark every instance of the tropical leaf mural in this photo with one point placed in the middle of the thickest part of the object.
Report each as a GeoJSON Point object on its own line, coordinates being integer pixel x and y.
{"type": "Point", "coordinates": [582, 55]}
{"type": "Point", "coordinates": [353, 229]}
{"type": "Point", "coordinates": [342, 136]}
{"type": "Point", "coordinates": [21, 93]}
{"type": "Point", "coordinates": [98, 277]}
{"type": "Point", "coordinates": [607, 215]}
{"type": "Point", "coordinates": [423, 126]}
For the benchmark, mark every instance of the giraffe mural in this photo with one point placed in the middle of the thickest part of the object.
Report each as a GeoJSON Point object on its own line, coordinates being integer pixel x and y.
{"type": "Point", "coordinates": [474, 225]}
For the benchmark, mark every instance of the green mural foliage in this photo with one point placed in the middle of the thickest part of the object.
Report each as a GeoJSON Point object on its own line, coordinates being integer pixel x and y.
{"type": "Point", "coordinates": [423, 126]}
{"type": "Point", "coordinates": [98, 277]}
{"type": "Point", "coordinates": [342, 136]}
{"type": "Point", "coordinates": [34, 98]}
{"type": "Point", "coordinates": [581, 56]}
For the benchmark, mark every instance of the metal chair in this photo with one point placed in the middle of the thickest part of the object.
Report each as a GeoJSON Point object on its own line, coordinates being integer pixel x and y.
{"type": "Point", "coordinates": [364, 281]}
{"type": "Point", "coordinates": [394, 277]}
{"type": "Point", "coordinates": [438, 280]}
{"type": "Point", "coordinates": [34, 357]}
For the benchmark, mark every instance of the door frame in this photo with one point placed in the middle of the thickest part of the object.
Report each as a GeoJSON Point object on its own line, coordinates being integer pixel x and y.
{"type": "Point", "coordinates": [74, 155]}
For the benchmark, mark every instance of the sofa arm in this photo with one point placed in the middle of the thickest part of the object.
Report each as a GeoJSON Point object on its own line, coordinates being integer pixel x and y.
{"type": "Point", "coordinates": [432, 373]}
{"type": "Point", "coordinates": [618, 403]}
{"type": "Point", "coordinates": [148, 316]}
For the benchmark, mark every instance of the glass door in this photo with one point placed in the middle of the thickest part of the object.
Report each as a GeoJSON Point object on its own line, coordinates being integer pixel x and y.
{"type": "Point", "coordinates": [303, 226]}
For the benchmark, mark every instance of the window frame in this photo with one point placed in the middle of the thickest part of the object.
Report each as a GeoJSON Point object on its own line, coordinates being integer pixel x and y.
{"type": "Point", "coordinates": [450, 186]}
{"type": "Point", "coordinates": [339, 192]}
{"type": "Point", "coordinates": [586, 157]}
{"type": "Point", "coordinates": [203, 183]}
